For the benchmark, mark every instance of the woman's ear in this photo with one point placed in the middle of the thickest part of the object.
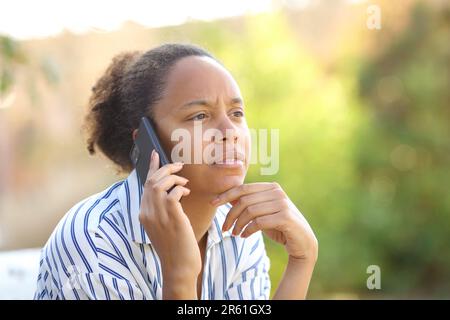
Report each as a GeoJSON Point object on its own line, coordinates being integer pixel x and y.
{"type": "Point", "coordinates": [134, 134]}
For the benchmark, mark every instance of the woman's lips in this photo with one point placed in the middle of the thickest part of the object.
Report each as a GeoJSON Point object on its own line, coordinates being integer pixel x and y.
{"type": "Point", "coordinates": [228, 163]}
{"type": "Point", "coordinates": [230, 159]}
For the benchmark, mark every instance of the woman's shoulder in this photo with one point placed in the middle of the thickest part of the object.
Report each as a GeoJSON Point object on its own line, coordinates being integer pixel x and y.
{"type": "Point", "coordinates": [78, 227]}
{"type": "Point", "coordinates": [90, 211]}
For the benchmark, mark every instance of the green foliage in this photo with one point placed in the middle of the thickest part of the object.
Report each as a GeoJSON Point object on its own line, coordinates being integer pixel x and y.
{"type": "Point", "coordinates": [402, 156]}
{"type": "Point", "coordinates": [10, 56]}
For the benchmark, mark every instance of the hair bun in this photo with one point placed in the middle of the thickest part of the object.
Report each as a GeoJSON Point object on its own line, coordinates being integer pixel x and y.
{"type": "Point", "coordinates": [105, 98]}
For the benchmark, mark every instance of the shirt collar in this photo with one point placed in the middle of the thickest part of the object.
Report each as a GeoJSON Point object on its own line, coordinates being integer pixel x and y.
{"type": "Point", "coordinates": [129, 196]}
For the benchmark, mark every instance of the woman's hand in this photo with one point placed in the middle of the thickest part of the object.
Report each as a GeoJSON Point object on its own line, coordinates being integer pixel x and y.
{"type": "Point", "coordinates": [169, 229]}
{"type": "Point", "coordinates": [265, 206]}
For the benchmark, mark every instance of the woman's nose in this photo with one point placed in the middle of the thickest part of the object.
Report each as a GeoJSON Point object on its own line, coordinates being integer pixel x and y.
{"type": "Point", "coordinates": [227, 137]}
{"type": "Point", "coordinates": [228, 132]}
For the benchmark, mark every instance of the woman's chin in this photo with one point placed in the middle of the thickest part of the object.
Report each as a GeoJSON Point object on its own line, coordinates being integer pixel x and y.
{"type": "Point", "coordinates": [225, 183]}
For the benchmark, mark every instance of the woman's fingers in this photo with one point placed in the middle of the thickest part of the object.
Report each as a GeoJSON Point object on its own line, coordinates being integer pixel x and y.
{"type": "Point", "coordinates": [170, 168]}
{"type": "Point", "coordinates": [257, 210]}
{"type": "Point", "coordinates": [252, 202]}
{"type": "Point", "coordinates": [160, 180]}
{"type": "Point", "coordinates": [175, 195]}
{"type": "Point", "coordinates": [164, 171]}
{"type": "Point", "coordinates": [245, 201]}
{"type": "Point", "coordinates": [168, 182]}
{"type": "Point", "coordinates": [154, 164]}
{"type": "Point", "coordinates": [267, 222]}
{"type": "Point", "coordinates": [155, 173]}
{"type": "Point", "coordinates": [237, 192]}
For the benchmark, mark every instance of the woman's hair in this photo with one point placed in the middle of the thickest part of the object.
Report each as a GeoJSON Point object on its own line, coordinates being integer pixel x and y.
{"type": "Point", "coordinates": [126, 92]}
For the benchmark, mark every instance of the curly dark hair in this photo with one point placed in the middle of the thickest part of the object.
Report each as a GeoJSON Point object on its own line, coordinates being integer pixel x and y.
{"type": "Point", "coordinates": [127, 91]}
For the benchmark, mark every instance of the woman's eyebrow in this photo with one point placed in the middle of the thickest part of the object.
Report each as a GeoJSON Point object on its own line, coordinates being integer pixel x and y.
{"type": "Point", "coordinates": [198, 102]}
{"type": "Point", "coordinates": [237, 100]}
{"type": "Point", "coordinates": [202, 102]}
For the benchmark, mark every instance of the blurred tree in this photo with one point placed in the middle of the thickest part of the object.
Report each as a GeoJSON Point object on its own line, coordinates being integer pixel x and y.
{"type": "Point", "coordinates": [402, 157]}
{"type": "Point", "coordinates": [10, 56]}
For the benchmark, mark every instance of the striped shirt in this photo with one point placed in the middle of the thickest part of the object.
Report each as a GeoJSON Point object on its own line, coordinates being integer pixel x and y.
{"type": "Point", "coordinates": [100, 250]}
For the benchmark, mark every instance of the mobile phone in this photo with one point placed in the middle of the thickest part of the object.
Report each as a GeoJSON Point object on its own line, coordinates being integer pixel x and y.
{"type": "Point", "coordinates": [146, 141]}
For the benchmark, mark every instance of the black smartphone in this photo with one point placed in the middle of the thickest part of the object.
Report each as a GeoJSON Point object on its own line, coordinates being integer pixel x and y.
{"type": "Point", "coordinates": [146, 141]}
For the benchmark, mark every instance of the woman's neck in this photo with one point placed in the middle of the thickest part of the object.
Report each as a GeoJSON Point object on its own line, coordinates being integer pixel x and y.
{"type": "Point", "coordinates": [200, 213]}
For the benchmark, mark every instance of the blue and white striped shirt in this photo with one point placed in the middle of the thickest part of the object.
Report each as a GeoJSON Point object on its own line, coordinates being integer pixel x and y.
{"type": "Point", "coordinates": [99, 250]}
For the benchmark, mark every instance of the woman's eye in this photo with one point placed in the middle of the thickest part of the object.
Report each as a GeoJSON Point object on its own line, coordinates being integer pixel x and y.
{"type": "Point", "coordinates": [238, 114]}
{"type": "Point", "coordinates": [199, 116]}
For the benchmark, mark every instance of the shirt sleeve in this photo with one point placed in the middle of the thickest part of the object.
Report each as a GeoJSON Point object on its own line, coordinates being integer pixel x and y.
{"type": "Point", "coordinates": [44, 288]}
{"type": "Point", "coordinates": [84, 286]}
{"type": "Point", "coordinates": [99, 286]}
{"type": "Point", "coordinates": [252, 281]}
{"type": "Point", "coordinates": [63, 281]}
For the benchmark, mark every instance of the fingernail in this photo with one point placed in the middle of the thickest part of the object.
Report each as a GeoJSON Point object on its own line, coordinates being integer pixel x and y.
{"type": "Point", "coordinates": [179, 164]}
{"type": "Point", "coordinates": [153, 154]}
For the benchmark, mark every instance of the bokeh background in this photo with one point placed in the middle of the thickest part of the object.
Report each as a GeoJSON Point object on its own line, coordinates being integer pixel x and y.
{"type": "Point", "coordinates": [364, 119]}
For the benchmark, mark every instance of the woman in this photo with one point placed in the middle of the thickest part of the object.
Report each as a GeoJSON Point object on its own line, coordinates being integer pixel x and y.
{"type": "Point", "coordinates": [178, 236]}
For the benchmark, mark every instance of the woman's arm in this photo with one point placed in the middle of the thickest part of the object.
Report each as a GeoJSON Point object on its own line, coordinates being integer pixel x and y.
{"type": "Point", "coordinates": [295, 281]}
{"type": "Point", "coordinates": [265, 206]}
{"type": "Point", "coordinates": [169, 229]}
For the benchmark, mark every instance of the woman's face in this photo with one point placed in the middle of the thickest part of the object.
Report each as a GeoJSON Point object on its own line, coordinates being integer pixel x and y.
{"type": "Point", "coordinates": [201, 93]}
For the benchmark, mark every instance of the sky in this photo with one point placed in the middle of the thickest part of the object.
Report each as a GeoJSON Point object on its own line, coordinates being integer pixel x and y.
{"type": "Point", "coordinates": [28, 19]}
{"type": "Point", "coordinates": [25, 19]}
